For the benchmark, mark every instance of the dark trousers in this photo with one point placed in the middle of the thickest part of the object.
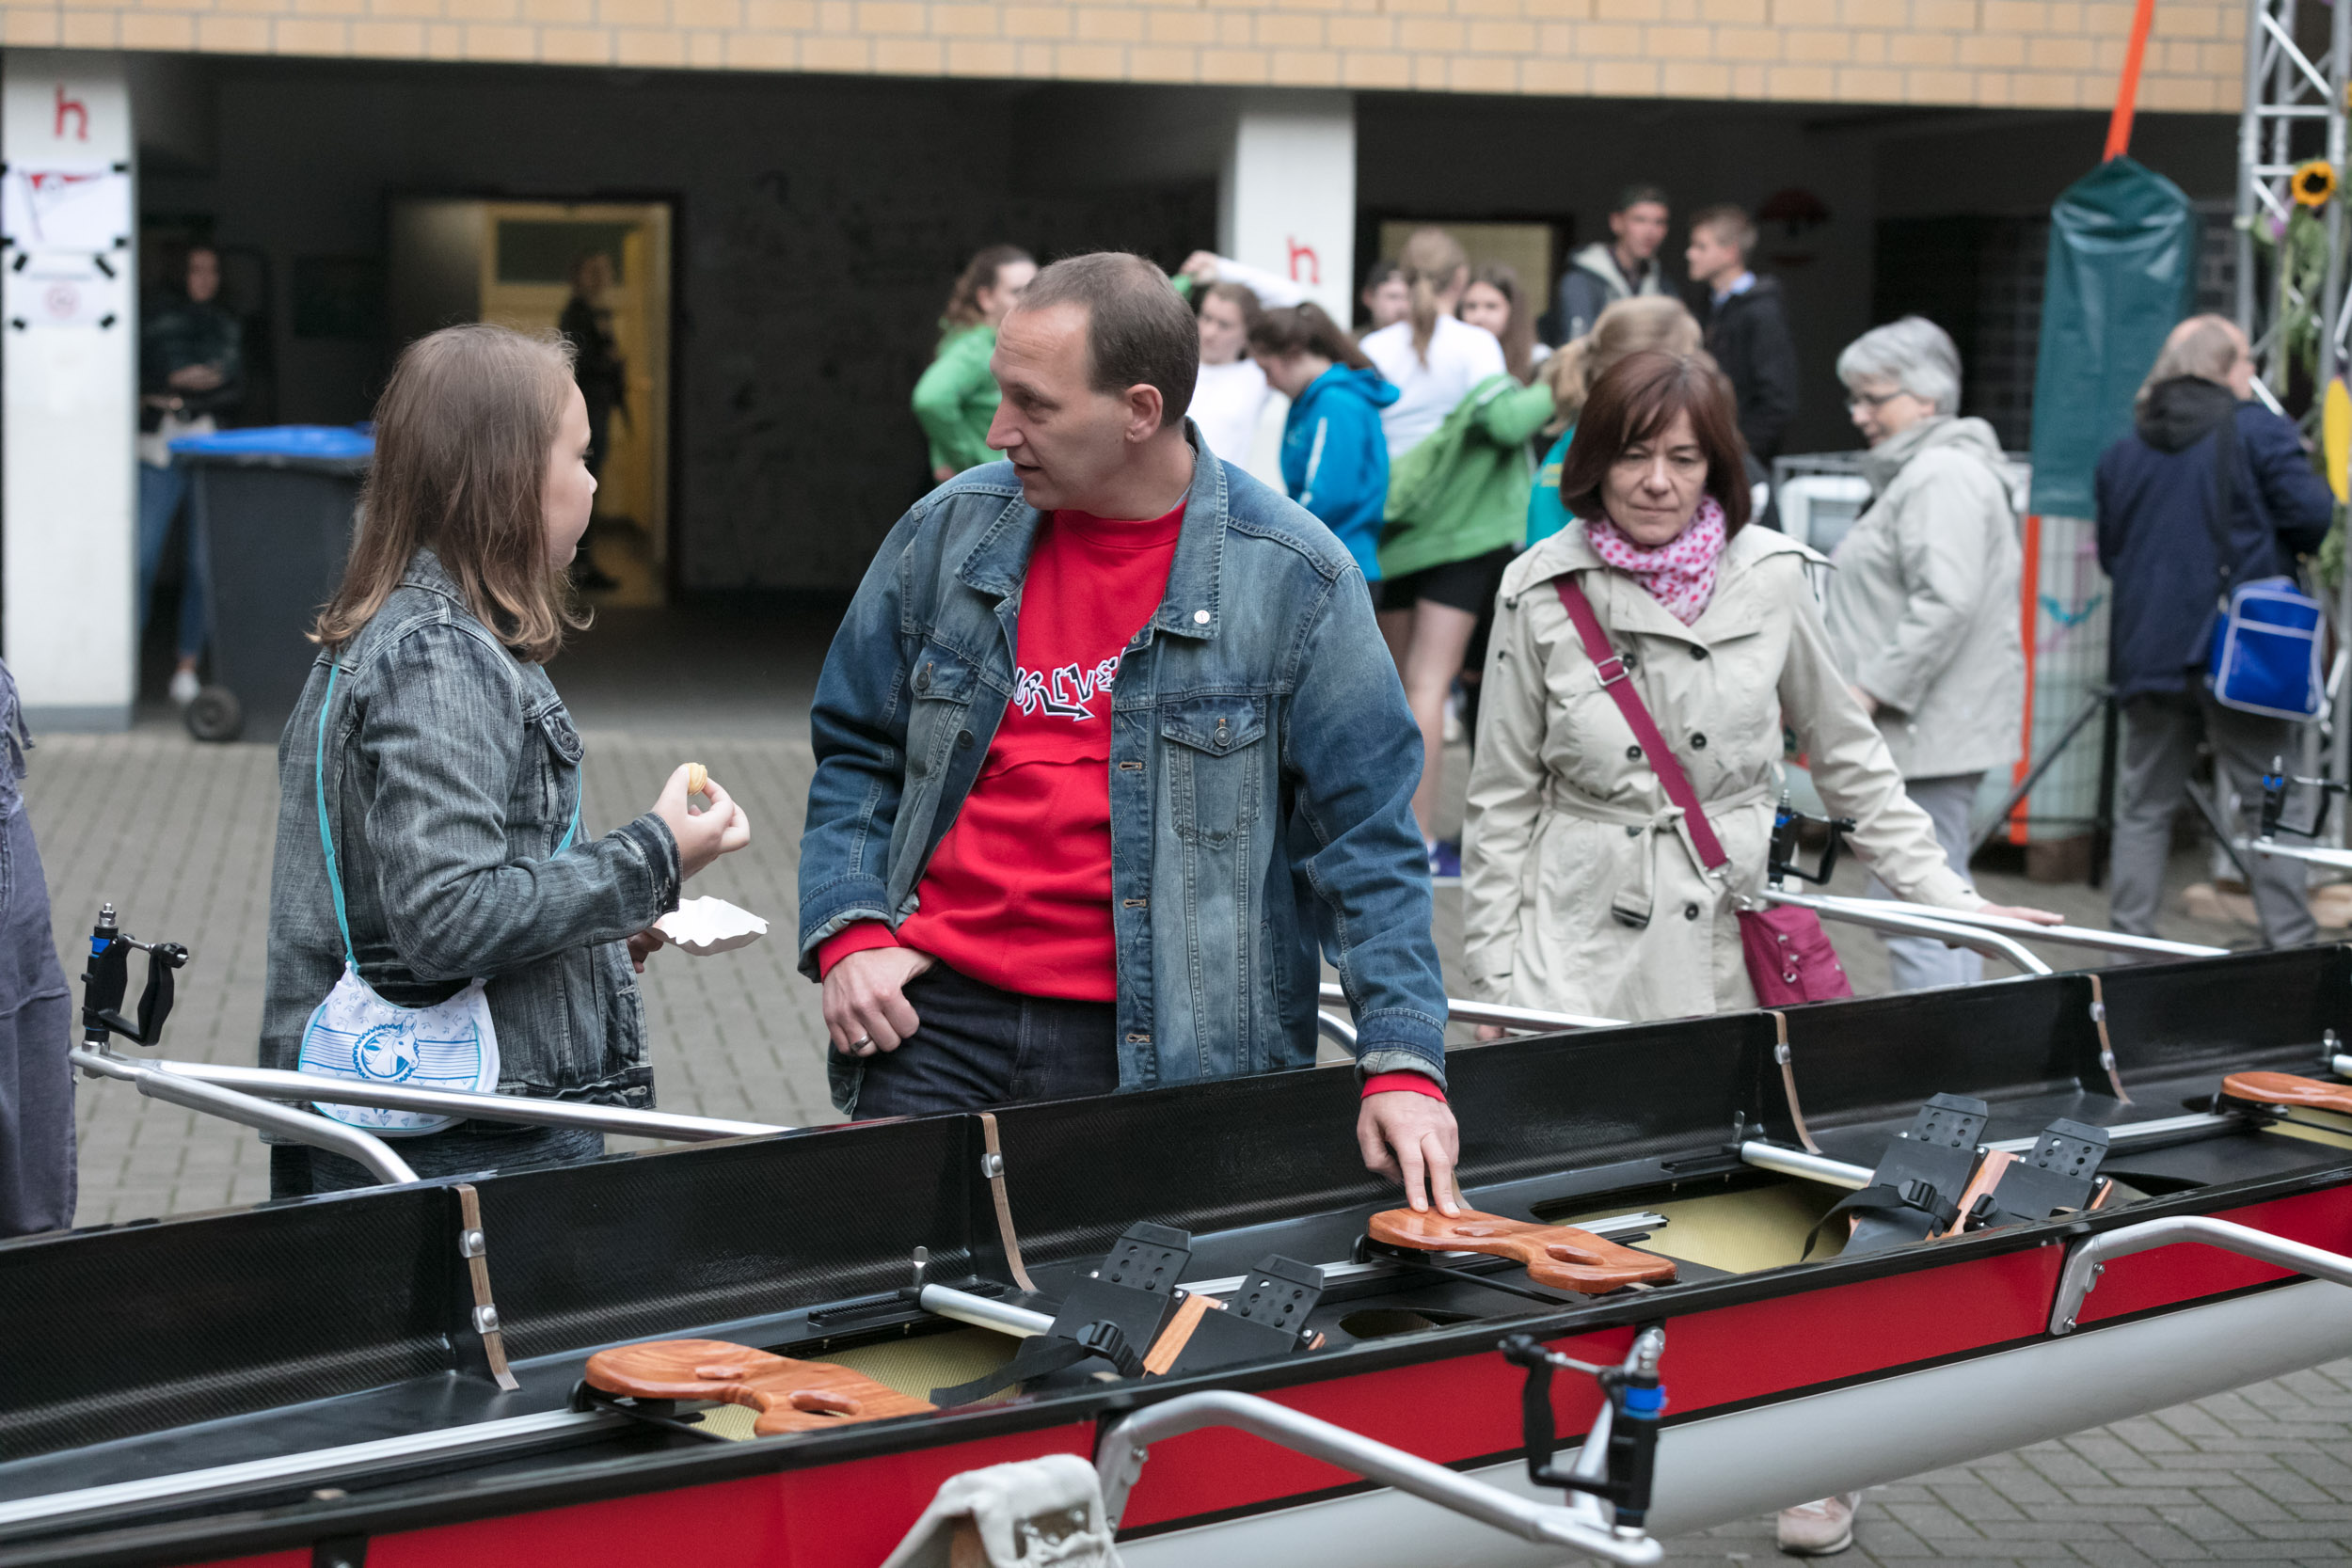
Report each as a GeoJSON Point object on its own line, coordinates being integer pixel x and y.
{"type": "Point", "coordinates": [2160, 736]}
{"type": "Point", "coordinates": [977, 1046]}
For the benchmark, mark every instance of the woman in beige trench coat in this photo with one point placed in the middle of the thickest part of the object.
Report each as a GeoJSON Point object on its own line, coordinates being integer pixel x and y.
{"type": "Point", "coordinates": [1581, 890]}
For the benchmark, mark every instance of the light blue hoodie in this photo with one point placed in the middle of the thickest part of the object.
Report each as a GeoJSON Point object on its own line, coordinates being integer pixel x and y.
{"type": "Point", "coordinates": [1335, 460]}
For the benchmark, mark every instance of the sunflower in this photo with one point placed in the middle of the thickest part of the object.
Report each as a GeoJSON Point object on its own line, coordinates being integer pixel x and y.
{"type": "Point", "coordinates": [2314, 183]}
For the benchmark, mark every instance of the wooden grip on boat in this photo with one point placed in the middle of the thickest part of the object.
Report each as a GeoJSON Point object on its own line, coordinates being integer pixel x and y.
{"type": "Point", "coordinates": [1559, 1255]}
{"type": "Point", "coordinates": [791, 1396]}
{"type": "Point", "coordinates": [2285, 1088]}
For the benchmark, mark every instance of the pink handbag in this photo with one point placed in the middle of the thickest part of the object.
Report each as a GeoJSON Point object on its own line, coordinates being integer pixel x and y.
{"type": "Point", "coordinates": [1789, 954]}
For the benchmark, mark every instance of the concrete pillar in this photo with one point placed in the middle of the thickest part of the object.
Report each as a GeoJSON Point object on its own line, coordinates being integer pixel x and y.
{"type": "Point", "coordinates": [1288, 192]}
{"type": "Point", "coordinates": [69, 387]}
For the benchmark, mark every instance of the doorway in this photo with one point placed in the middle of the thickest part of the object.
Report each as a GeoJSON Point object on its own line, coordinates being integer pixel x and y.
{"type": "Point", "coordinates": [515, 263]}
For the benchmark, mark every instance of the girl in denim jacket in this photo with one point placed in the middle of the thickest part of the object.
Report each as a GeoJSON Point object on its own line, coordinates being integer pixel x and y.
{"type": "Point", "coordinates": [428, 824]}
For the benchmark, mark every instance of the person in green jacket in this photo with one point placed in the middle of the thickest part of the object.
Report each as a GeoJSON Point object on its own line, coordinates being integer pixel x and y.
{"type": "Point", "coordinates": [1455, 515]}
{"type": "Point", "coordinates": [957, 397]}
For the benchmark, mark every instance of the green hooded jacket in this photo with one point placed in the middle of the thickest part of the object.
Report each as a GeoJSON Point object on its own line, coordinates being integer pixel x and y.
{"type": "Point", "coordinates": [957, 398]}
{"type": "Point", "coordinates": [1463, 490]}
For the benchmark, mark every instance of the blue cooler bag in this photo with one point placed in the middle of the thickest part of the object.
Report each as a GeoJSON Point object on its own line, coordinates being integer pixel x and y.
{"type": "Point", "coordinates": [2266, 633]}
{"type": "Point", "coordinates": [2265, 655]}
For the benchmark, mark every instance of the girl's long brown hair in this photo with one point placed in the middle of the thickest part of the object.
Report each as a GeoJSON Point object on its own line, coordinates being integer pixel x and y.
{"type": "Point", "coordinates": [1305, 330]}
{"type": "Point", "coordinates": [963, 300]}
{"type": "Point", "coordinates": [463, 435]}
{"type": "Point", "coordinates": [1432, 260]}
{"type": "Point", "coordinates": [1518, 330]}
{"type": "Point", "coordinates": [1625, 326]}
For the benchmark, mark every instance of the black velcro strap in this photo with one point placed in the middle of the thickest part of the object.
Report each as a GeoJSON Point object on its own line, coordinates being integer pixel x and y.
{"type": "Point", "coordinates": [1883, 1198]}
{"type": "Point", "coordinates": [1039, 1356]}
{"type": "Point", "coordinates": [1050, 1356]}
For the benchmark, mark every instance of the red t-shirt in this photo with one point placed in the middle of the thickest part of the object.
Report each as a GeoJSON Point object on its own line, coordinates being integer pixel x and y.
{"type": "Point", "coordinates": [1019, 892]}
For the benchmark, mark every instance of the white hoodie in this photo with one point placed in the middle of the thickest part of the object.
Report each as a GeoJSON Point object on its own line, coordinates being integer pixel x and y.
{"type": "Point", "coordinates": [1460, 357]}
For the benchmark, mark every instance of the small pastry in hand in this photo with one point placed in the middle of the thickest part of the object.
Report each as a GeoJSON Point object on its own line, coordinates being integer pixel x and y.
{"type": "Point", "coordinates": [696, 777]}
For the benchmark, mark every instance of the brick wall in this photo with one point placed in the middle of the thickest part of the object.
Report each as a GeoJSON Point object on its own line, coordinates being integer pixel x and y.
{"type": "Point", "coordinates": [1982, 53]}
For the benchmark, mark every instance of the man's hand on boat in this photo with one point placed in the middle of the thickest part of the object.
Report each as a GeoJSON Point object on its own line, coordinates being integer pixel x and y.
{"type": "Point", "coordinates": [1411, 1138]}
{"type": "Point", "coordinates": [866, 1000]}
{"type": "Point", "coordinates": [702, 836]}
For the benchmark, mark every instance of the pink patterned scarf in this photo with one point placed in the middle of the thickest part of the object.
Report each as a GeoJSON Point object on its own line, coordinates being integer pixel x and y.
{"type": "Point", "coordinates": [1679, 574]}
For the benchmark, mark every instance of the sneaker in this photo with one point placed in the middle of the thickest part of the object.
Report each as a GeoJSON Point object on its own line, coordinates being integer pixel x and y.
{"type": "Point", "coordinates": [1821, 1529]}
{"type": "Point", "coordinates": [183, 688]}
{"type": "Point", "coordinates": [1445, 862]}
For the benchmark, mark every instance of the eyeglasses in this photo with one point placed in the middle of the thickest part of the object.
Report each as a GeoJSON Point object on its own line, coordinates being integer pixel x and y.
{"type": "Point", "coordinates": [1872, 401]}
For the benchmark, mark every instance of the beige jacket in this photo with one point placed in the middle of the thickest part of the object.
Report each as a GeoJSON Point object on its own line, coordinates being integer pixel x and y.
{"type": "Point", "coordinates": [1581, 892]}
{"type": "Point", "coordinates": [1922, 610]}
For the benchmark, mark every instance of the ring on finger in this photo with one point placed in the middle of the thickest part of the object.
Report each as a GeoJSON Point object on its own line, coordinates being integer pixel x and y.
{"type": "Point", "coordinates": [861, 1045]}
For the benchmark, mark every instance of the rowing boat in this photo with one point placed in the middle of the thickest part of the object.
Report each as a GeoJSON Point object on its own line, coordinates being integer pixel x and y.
{"type": "Point", "coordinates": [403, 1374]}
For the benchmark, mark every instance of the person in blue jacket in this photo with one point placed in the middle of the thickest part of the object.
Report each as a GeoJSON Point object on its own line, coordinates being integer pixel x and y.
{"type": "Point", "coordinates": [2158, 491]}
{"type": "Point", "coordinates": [1335, 460]}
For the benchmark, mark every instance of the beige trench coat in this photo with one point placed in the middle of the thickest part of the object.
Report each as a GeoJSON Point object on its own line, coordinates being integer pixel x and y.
{"type": "Point", "coordinates": [1581, 892]}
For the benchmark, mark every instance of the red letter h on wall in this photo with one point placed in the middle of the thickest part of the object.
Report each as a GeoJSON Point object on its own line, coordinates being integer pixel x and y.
{"type": "Point", "coordinates": [71, 106]}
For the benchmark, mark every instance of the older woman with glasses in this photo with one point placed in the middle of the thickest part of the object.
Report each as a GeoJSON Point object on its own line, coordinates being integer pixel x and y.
{"type": "Point", "coordinates": [1922, 610]}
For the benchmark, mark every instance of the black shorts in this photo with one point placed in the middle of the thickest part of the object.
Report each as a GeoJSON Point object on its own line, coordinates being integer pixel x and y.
{"type": "Point", "coordinates": [1468, 586]}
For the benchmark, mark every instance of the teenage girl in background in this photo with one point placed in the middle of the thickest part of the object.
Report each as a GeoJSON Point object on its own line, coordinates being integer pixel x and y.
{"type": "Point", "coordinates": [1443, 550]}
{"type": "Point", "coordinates": [1335, 460]}
{"type": "Point", "coordinates": [1495, 302]}
{"type": "Point", "coordinates": [957, 396]}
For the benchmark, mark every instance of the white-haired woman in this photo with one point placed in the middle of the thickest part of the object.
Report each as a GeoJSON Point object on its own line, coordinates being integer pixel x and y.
{"type": "Point", "coordinates": [1922, 616]}
{"type": "Point", "coordinates": [1922, 610]}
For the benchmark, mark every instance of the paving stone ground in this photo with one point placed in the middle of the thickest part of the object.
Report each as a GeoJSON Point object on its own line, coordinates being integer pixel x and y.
{"type": "Point", "coordinates": [178, 836]}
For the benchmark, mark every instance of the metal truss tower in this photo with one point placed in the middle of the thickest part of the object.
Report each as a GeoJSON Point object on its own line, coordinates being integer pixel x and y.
{"type": "Point", "coordinates": [2294, 112]}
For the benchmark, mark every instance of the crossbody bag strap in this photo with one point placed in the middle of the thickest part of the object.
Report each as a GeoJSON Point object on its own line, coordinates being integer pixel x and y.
{"type": "Point", "coordinates": [327, 837]}
{"type": "Point", "coordinates": [1615, 679]}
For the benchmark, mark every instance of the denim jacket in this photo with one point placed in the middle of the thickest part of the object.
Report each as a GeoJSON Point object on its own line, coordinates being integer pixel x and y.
{"type": "Point", "coordinates": [452, 772]}
{"type": "Point", "coordinates": [1263, 767]}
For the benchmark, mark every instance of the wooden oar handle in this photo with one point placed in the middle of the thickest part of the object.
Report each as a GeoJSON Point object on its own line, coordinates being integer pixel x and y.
{"type": "Point", "coordinates": [2285, 1088]}
{"type": "Point", "coordinates": [1560, 1256]}
{"type": "Point", "coordinates": [791, 1396]}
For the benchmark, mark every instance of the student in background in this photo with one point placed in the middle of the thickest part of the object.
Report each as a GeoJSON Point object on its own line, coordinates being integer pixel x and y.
{"type": "Point", "coordinates": [1747, 326]}
{"type": "Point", "coordinates": [1495, 301]}
{"type": "Point", "coordinates": [957, 397]}
{"type": "Point", "coordinates": [1457, 523]}
{"type": "Point", "coordinates": [1335, 460]}
{"type": "Point", "coordinates": [1229, 400]}
{"type": "Point", "coordinates": [1624, 268]}
{"type": "Point", "coordinates": [1430, 356]}
{"type": "Point", "coordinates": [1628, 326]}
{"type": "Point", "coordinates": [1387, 299]}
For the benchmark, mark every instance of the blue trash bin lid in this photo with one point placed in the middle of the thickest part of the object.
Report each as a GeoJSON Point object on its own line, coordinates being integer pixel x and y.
{"type": "Point", "coordinates": [336, 445]}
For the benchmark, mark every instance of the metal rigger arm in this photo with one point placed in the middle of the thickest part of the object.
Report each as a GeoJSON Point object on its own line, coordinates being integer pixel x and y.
{"type": "Point", "coordinates": [1608, 1483]}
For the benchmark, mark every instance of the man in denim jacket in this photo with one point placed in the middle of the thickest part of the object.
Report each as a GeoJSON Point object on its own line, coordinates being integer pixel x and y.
{"type": "Point", "coordinates": [1106, 745]}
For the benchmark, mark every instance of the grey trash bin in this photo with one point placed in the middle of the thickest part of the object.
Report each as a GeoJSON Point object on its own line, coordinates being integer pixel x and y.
{"type": "Point", "coordinates": [274, 507]}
